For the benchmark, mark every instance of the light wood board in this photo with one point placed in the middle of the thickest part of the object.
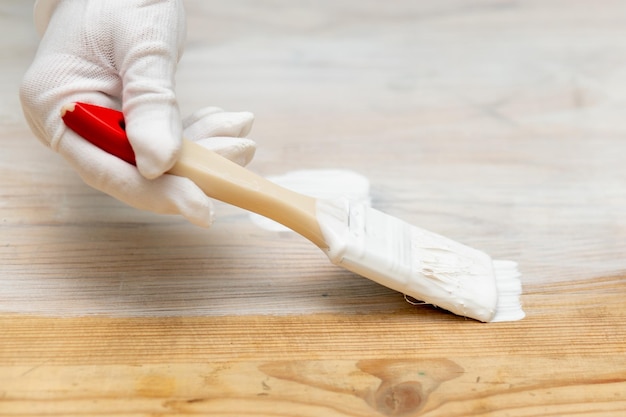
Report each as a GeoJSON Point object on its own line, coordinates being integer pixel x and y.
{"type": "Point", "coordinates": [500, 124]}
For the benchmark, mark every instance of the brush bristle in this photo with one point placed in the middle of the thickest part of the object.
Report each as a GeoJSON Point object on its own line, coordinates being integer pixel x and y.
{"type": "Point", "coordinates": [421, 264]}
{"type": "Point", "coordinates": [509, 288]}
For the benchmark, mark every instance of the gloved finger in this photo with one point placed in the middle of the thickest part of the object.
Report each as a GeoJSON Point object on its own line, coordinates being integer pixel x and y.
{"type": "Point", "coordinates": [213, 121]}
{"type": "Point", "coordinates": [168, 194]}
{"type": "Point", "coordinates": [199, 114]}
{"type": "Point", "coordinates": [54, 79]}
{"type": "Point", "coordinates": [222, 132]}
{"type": "Point", "coordinates": [239, 150]}
{"type": "Point", "coordinates": [147, 54]}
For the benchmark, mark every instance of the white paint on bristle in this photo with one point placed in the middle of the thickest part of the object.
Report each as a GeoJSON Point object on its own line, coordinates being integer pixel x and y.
{"type": "Point", "coordinates": [509, 284]}
{"type": "Point", "coordinates": [419, 263]}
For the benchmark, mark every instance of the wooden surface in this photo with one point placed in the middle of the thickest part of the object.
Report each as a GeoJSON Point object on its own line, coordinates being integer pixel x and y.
{"type": "Point", "coordinates": [500, 124]}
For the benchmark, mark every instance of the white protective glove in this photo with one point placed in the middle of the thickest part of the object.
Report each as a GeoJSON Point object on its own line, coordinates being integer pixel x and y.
{"type": "Point", "coordinates": [123, 54]}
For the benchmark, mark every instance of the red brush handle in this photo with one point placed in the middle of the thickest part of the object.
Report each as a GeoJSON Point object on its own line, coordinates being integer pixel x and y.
{"type": "Point", "coordinates": [101, 126]}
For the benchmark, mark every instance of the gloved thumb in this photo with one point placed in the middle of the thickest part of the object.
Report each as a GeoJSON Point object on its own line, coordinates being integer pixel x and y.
{"type": "Point", "coordinates": [147, 57]}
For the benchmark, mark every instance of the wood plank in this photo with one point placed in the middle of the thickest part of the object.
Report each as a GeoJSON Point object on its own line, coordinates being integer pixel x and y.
{"type": "Point", "coordinates": [433, 387]}
{"type": "Point", "coordinates": [499, 124]}
{"type": "Point", "coordinates": [357, 365]}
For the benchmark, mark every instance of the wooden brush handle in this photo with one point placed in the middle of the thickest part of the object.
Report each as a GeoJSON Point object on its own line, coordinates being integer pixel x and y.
{"type": "Point", "coordinates": [226, 181]}
{"type": "Point", "coordinates": [217, 176]}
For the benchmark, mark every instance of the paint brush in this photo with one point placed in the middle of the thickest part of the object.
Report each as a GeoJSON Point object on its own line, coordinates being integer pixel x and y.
{"type": "Point", "coordinates": [420, 264]}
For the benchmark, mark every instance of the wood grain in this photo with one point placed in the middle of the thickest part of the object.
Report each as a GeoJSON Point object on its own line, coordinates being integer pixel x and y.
{"type": "Point", "coordinates": [499, 124]}
{"type": "Point", "coordinates": [360, 365]}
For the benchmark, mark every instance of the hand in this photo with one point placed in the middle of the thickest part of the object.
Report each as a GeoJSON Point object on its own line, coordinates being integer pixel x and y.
{"type": "Point", "coordinates": [168, 194]}
{"type": "Point", "coordinates": [123, 54]}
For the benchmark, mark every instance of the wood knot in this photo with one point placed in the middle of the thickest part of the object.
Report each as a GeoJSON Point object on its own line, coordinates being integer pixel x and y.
{"type": "Point", "coordinates": [399, 399]}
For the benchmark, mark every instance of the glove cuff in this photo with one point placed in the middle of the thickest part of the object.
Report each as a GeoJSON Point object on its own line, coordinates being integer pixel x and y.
{"type": "Point", "coordinates": [42, 13]}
